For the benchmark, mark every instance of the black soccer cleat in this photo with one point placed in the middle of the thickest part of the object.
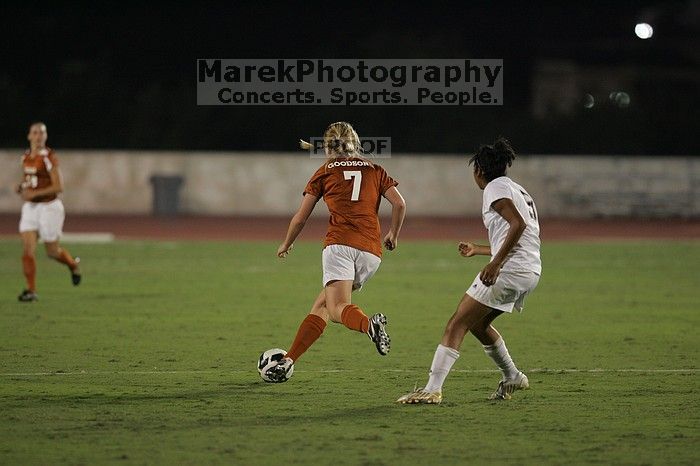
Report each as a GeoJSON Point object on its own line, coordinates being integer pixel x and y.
{"type": "Point", "coordinates": [76, 277]}
{"type": "Point", "coordinates": [28, 296]}
{"type": "Point", "coordinates": [280, 372]}
{"type": "Point", "coordinates": [377, 333]}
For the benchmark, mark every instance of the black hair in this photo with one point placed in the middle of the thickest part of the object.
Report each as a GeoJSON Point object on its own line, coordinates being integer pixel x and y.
{"type": "Point", "coordinates": [493, 160]}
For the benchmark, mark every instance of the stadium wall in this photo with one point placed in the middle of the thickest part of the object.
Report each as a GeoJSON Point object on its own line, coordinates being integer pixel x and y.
{"type": "Point", "coordinates": [271, 184]}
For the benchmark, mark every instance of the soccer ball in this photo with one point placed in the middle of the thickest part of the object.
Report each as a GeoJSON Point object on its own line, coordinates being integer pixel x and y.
{"type": "Point", "coordinates": [269, 359]}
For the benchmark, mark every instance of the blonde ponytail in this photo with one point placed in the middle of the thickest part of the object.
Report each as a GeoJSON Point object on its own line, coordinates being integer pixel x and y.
{"type": "Point", "coordinates": [339, 140]}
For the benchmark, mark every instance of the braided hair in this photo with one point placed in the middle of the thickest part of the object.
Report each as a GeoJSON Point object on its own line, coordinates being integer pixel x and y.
{"type": "Point", "coordinates": [493, 160]}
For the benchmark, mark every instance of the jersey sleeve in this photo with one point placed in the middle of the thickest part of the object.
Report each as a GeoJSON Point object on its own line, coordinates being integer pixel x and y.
{"type": "Point", "coordinates": [495, 191]}
{"type": "Point", "coordinates": [315, 184]}
{"type": "Point", "coordinates": [385, 181]}
{"type": "Point", "coordinates": [51, 161]}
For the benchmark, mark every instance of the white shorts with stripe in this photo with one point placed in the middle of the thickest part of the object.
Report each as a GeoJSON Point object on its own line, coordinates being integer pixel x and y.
{"type": "Point", "coordinates": [507, 293]}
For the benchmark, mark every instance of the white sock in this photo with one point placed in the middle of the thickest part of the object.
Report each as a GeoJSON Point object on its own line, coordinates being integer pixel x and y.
{"type": "Point", "coordinates": [442, 363]}
{"type": "Point", "coordinates": [499, 353]}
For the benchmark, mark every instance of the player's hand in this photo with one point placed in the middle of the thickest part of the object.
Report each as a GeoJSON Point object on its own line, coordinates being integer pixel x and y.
{"type": "Point", "coordinates": [27, 194]}
{"type": "Point", "coordinates": [390, 241]}
{"type": "Point", "coordinates": [489, 273]}
{"type": "Point", "coordinates": [284, 250]}
{"type": "Point", "coordinates": [467, 249]}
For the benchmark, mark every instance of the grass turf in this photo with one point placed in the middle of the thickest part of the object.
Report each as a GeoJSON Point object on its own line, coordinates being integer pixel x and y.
{"type": "Point", "coordinates": [152, 360]}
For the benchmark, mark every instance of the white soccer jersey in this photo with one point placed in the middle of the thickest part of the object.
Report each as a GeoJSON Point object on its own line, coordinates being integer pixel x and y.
{"type": "Point", "coordinates": [525, 256]}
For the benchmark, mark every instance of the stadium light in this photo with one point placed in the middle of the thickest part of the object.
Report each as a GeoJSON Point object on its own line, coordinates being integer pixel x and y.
{"type": "Point", "coordinates": [644, 30]}
{"type": "Point", "coordinates": [620, 98]}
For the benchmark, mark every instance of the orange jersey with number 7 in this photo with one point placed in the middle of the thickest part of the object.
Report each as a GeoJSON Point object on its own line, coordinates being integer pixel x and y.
{"type": "Point", "coordinates": [352, 188]}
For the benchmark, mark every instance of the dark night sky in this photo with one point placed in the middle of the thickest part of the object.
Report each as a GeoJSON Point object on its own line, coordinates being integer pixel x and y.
{"type": "Point", "coordinates": [120, 75]}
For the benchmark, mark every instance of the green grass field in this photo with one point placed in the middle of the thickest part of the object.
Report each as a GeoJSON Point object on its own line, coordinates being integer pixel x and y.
{"type": "Point", "coordinates": [152, 360]}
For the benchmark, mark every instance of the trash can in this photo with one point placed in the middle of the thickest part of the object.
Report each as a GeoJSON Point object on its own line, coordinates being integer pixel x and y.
{"type": "Point", "coordinates": [166, 195]}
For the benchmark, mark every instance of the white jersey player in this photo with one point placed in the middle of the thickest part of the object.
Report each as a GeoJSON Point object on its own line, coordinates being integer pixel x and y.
{"type": "Point", "coordinates": [510, 216]}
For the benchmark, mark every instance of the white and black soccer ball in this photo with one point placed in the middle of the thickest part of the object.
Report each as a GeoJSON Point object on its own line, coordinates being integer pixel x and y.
{"type": "Point", "coordinates": [268, 360]}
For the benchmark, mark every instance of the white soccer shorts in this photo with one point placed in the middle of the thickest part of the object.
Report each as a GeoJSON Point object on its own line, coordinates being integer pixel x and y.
{"type": "Point", "coordinates": [507, 293]}
{"type": "Point", "coordinates": [44, 217]}
{"type": "Point", "coordinates": [347, 263]}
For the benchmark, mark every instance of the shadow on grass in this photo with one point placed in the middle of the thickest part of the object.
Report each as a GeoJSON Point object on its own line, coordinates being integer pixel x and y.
{"type": "Point", "coordinates": [157, 393]}
{"type": "Point", "coordinates": [332, 416]}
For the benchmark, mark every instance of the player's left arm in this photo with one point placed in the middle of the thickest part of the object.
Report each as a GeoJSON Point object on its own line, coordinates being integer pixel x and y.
{"type": "Point", "coordinates": [398, 213]}
{"type": "Point", "coordinates": [19, 187]}
{"type": "Point", "coordinates": [506, 209]}
{"type": "Point", "coordinates": [55, 187]}
{"type": "Point", "coordinates": [297, 224]}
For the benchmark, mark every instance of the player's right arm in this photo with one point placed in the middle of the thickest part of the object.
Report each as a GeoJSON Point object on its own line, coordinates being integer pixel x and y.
{"type": "Point", "coordinates": [468, 249]}
{"type": "Point", "coordinates": [19, 186]}
{"type": "Point", "coordinates": [297, 224]}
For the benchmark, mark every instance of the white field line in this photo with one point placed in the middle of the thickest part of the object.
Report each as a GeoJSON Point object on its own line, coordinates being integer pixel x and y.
{"type": "Point", "coordinates": [78, 237]}
{"type": "Point", "coordinates": [94, 238]}
{"type": "Point", "coordinates": [325, 371]}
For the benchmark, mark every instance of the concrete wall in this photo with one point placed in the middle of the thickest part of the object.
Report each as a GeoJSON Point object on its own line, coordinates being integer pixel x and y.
{"type": "Point", "coordinates": [265, 184]}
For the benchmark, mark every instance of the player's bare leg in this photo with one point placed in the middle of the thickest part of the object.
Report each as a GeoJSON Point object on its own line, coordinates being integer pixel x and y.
{"type": "Point", "coordinates": [319, 307]}
{"type": "Point", "coordinates": [29, 240]}
{"type": "Point", "coordinates": [469, 312]}
{"type": "Point", "coordinates": [338, 303]}
{"type": "Point", "coordinates": [484, 331]}
{"type": "Point", "coordinates": [338, 295]}
{"type": "Point", "coordinates": [495, 348]}
{"type": "Point", "coordinates": [61, 254]}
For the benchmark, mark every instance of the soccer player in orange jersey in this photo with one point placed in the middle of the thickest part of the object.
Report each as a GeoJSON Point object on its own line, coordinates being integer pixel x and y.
{"type": "Point", "coordinates": [352, 188]}
{"type": "Point", "coordinates": [42, 212]}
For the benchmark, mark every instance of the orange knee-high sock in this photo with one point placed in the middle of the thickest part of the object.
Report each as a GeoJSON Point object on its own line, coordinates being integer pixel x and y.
{"type": "Point", "coordinates": [310, 329]}
{"type": "Point", "coordinates": [64, 257]}
{"type": "Point", "coordinates": [29, 269]}
{"type": "Point", "coordinates": [354, 319]}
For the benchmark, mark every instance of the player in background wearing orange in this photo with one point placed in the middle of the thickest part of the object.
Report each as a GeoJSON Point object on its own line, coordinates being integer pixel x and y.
{"type": "Point", "coordinates": [42, 212]}
{"type": "Point", "coordinates": [352, 188]}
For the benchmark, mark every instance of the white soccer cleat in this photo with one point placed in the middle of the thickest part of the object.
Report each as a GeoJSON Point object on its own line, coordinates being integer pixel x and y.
{"type": "Point", "coordinates": [507, 387]}
{"type": "Point", "coordinates": [420, 396]}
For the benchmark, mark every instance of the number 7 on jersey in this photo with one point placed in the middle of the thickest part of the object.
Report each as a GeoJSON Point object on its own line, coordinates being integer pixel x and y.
{"type": "Point", "coordinates": [356, 177]}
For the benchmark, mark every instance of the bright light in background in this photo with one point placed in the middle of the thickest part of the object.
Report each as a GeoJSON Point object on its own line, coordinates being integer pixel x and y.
{"type": "Point", "coordinates": [644, 30]}
{"type": "Point", "coordinates": [620, 98]}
